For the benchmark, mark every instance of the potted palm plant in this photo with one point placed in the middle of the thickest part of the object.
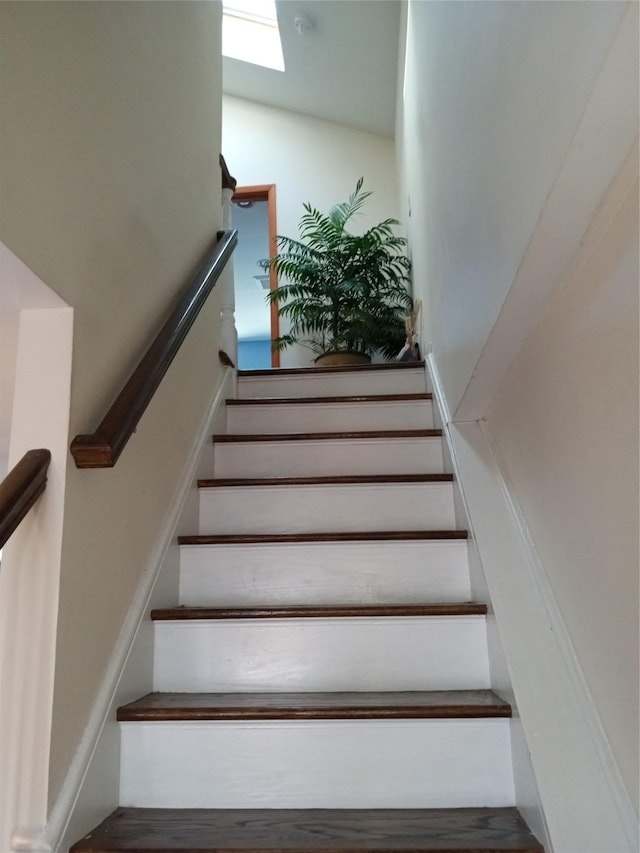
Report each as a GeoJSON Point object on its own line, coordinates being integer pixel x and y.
{"type": "Point", "coordinates": [344, 295]}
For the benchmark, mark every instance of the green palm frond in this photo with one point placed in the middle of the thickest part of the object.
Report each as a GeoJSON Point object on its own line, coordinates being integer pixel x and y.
{"type": "Point", "coordinates": [341, 290]}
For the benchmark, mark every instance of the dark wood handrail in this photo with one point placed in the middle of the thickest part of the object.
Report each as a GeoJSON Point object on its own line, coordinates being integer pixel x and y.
{"type": "Point", "coordinates": [21, 488]}
{"type": "Point", "coordinates": [102, 448]}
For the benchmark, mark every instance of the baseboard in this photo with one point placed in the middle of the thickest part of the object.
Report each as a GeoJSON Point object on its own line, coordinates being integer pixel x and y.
{"type": "Point", "coordinates": [599, 781]}
{"type": "Point", "coordinates": [439, 397]}
{"type": "Point", "coordinates": [527, 796]}
{"type": "Point", "coordinates": [585, 803]}
{"type": "Point", "coordinates": [65, 812]}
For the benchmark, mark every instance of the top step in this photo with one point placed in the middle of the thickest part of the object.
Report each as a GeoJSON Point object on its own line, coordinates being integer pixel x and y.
{"type": "Point", "coordinates": [387, 378]}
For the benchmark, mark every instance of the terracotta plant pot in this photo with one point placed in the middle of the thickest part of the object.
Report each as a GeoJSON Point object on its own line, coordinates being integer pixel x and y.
{"type": "Point", "coordinates": [340, 359]}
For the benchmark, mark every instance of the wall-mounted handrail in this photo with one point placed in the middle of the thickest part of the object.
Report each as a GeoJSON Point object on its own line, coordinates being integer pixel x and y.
{"type": "Point", "coordinates": [21, 488]}
{"type": "Point", "coordinates": [102, 448]}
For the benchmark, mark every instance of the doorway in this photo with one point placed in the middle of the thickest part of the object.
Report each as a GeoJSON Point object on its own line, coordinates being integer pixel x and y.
{"type": "Point", "coordinates": [254, 215]}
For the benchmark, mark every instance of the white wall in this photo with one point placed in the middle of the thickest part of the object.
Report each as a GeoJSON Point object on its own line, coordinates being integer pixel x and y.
{"type": "Point", "coordinates": [110, 133]}
{"type": "Point", "coordinates": [566, 425]}
{"type": "Point", "coordinates": [308, 160]}
{"type": "Point", "coordinates": [517, 132]}
{"type": "Point", "coordinates": [494, 93]}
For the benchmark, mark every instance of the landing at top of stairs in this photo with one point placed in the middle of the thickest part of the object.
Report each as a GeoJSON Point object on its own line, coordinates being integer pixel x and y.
{"type": "Point", "coordinates": [335, 369]}
{"type": "Point", "coordinates": [476, 830]}
{"type": "Point", "coordinates": [365, 379]}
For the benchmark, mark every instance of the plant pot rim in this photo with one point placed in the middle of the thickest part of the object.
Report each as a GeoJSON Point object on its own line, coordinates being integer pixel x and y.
{"type": "Point", "coordinates": [357, 357]}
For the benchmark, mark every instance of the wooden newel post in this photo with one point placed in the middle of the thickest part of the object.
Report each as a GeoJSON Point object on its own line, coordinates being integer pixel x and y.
{"type": "Point", "coordinates": [228, 333]}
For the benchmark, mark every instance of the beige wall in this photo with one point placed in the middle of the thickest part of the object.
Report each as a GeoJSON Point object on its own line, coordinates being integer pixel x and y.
{"type": "Point", "coordinates": [111, 194]}
{"type": "Point", "coordinates": [308, 160]}
{"type": "Point", "coordinates": [566, 425]}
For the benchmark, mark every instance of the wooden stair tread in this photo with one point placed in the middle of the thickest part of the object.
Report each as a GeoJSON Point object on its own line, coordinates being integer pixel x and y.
{"type": "Point", "coordinates": [470, 830]}
{"type": "Point", "coordinates": [277, 538]}
{"type": "Point", "coordinates": [467, 608]}
{"type": "Point", "coordinates": [328, 436]}
{"type": "Point", "coordinates": [337, 480]}
{"type": "Point", "coordinates": [342, 398]}
{"type": "Point", "coordinates": [450, 704]}
{"type": "Point", "coordinates": [342, 368]}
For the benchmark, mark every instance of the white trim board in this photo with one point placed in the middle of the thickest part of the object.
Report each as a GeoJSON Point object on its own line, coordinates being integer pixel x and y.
{"type": "Point", "coordinates": [586, 806]}
{"type": "Point", "coordinates": [30, 578]}
{"type": "Point", "coordinates": [91, 788]}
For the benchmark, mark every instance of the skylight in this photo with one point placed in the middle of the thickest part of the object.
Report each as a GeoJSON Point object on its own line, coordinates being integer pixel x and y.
{"type": "Point", "coordinates": [250, 32]}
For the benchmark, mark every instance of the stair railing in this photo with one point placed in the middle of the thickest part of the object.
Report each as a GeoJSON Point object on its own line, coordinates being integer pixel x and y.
{"type": "Point", "coordinates": [102, 448]}
{"type": "Point", "coordinates": [20, 489]}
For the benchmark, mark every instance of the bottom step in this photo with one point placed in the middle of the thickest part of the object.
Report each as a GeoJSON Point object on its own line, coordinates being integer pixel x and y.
{"type": "Point", "coordinates": [311, 831]}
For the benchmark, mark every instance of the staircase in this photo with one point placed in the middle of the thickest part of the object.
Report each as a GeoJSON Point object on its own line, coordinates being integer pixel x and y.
{"type": "Point", "coordinates": [323, 683]}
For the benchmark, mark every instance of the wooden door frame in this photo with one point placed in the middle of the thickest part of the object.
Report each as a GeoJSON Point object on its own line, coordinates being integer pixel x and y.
{"type": "Point", "coordinates": [266, 192]}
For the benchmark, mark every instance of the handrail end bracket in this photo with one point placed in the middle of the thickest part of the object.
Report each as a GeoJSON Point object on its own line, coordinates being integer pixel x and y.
{"type": "Point", "coordinates": [92, 451]}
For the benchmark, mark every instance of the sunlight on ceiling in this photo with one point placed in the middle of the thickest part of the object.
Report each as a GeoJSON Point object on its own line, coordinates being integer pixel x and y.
{"type": "Point", "coordinates": [250, 32]}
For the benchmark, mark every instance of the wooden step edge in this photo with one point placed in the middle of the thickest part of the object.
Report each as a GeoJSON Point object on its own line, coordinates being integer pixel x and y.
{"type": "Point", "coordinates": [275, 373]}
{"type": "Point", "coordinates": [310, 538]}
{"type": "Point", "coordinates": [342, 398]}
{"type": "Point", "coordinates": [369, 435]}
{"type": "Point", "coordinates": [182, 613]}
{"type": "Point", "coordinates": [167, 830]}
{"type": "Point", "coordinates": [169, 707]}
{"type": "Point", "coordinates": [339, 480]}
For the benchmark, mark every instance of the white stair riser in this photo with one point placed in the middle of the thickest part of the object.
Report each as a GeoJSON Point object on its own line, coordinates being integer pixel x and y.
{"type": "Point", "coordinates": [328, 417]}
{"type": "Point", "coordinates": [326, 654]}
{"type": "Point", "coordinates": [324, 573]}
{"type": "Point", "coordinates": [333, 764]}
{"type": "Point", "coordinates": [318, 458]}
{"type": "Point", "coordinates": [405, 381]}
{"type": "Point", "coordinates": [323, 508]}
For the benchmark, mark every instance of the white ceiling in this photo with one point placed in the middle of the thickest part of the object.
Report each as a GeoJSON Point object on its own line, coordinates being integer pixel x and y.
{"type": "Point", "coordinates": [343, 70]}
